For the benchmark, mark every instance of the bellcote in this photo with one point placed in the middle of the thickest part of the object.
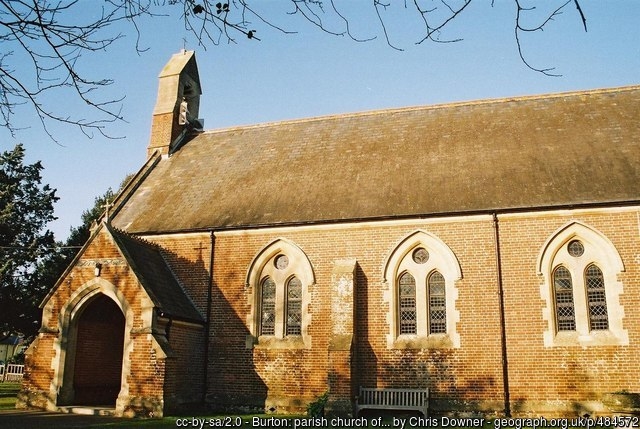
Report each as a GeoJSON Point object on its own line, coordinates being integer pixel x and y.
{"type": "Point", "coordinates": [177, 105]}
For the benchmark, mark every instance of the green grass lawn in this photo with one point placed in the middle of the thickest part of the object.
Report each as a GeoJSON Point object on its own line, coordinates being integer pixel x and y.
{"type": "Point", "coordinates": [371, 421]}
{"type": "Point", "coordinates": [377, 420]}
{"type": "Point", "coordinates": [8, 393]}
{"type": "Point", "coordinates": [235, 421]}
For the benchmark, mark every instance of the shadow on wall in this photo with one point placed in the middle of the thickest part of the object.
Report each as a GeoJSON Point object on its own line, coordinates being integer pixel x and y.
{"type": "Point", "coordinates": [184, 386]}
{"type": "Point", "coordinates": [366, 371]}
{"type": "Point", "coordinates": [579, 391]}
{"type": "Point", "coordinates": [435, 368]}
{"type": "Point", "coordinates": [232, 381]}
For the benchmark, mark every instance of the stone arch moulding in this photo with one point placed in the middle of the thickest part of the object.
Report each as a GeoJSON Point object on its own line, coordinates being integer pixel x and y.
{"type": "Point", "coordinates": [280, 245]}
{"type": "Point", "coordinates": [444, 261]}
{"type": "Point", "coordinates": [300, 265]}
{"type": "Point", "coordinates": [598, 250]}
{"type": "Point", "coordinates": [430, 241]}
{"type": "Point", "coordinates": [61, 389]}
{"type": "Point", "coordinates": [578, 230]}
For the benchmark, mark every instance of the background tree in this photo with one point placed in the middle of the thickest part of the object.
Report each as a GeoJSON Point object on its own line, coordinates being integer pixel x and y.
{"type": "Point", "coordinates": [31, 261]}
{"type": "Point", "coordinates": [79, 235]}
{"type": "Point", "coordinates": [56, 40]}
{"type": "Point", "coordinates": [26, 207]}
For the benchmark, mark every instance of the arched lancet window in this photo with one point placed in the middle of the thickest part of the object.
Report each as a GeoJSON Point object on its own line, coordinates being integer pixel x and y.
{"type": "Point", "coordinates": [582, 273]}
{"type": "Point", "coordinates": [437, 304]}
{"type": "Point", "coordinates": [596, 298]}
{"type": "Point", "coordinates": [294, 306]}
{"type": "Point", "coordinates": [563, 290]}
{"type": "Point", "coordinates": [421, 272]}
{"type": "Point", "coordinates": [407, 302]}
{"type": "Point", "coordinates": [268, 307]}
{"type": "Point", "coordinates": [280, 277]}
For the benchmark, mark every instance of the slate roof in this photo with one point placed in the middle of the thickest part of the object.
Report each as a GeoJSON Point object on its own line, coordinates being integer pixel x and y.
{"type": "Point", "coordinates": [154, 274]}
{"type": "Point", "coordinates": [526, 153]}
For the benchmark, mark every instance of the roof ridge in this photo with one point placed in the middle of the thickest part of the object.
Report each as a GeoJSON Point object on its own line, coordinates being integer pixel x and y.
{"type": "Point", "coordinates": [437, 106]}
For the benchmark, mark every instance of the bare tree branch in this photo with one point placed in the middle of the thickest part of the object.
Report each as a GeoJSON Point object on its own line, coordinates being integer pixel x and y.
{"type": "Point", "coordinates": [584, 19]}
{"type": "Point", "coordinates": [540, 26]}
{"type": "Point", "coordinates": [378, 4]}
{"type": "Point", "coordinates": [54, 40]}
{"type": "Point", "coordinates": [346, 24]}
{"type": "Point", "coordinates": [433, 32]}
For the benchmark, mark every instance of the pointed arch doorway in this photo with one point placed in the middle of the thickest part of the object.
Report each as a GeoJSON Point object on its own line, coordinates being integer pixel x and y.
{"type": "Point", "coordinates": [97, 366]}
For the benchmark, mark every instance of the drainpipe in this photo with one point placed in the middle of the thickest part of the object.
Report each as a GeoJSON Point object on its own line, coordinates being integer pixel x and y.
{"type": "Point", "coordinates": [503, 333]}
{"type": "Point", "coordinates": [207, 327]}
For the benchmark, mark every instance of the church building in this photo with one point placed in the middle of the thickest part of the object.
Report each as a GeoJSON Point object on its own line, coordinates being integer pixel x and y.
{"type": "Point", "coordinates": [488, 251]}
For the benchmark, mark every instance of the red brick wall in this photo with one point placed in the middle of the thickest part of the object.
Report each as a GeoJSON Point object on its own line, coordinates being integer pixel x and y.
{"type": "Point", "coordinates": [163, 131]}
{"type": "Point", "coordinates": [465, 377]}
{"type": "Point", "coordinates": [468, 377]}
{"type": "Point", "coordinates": [147, 367]}
{"type": "Point", "coordinates": [37, 373]}
{"type": "Point", "coordinates": [470, 373]}
{"type": "Point", "coordinates": [189, 257]}
{"type": "Point", "coordinates": [184, 381]}
{"type": "Point", "coordinates": [572, 374]}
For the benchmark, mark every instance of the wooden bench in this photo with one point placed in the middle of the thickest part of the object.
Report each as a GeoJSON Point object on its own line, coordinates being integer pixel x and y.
{"type": "Point", "coordinates": [393, 399]}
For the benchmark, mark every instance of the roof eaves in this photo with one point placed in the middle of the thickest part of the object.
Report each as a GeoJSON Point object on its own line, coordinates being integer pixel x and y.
{"type": "Point", "coordinates": [483, 211]}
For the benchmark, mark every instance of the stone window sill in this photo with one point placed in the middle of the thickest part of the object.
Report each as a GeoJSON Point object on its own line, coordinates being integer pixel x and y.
{"type": "Point", "coordinates": [434, 341]}
{"type": "Point", "coordinates": [293, 342]}
{"type": "Point", "coordinates": [593, 338]}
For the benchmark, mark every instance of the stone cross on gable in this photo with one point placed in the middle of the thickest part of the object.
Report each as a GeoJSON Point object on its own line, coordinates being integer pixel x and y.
{"type": "Point", "coordinates": [107, 205]}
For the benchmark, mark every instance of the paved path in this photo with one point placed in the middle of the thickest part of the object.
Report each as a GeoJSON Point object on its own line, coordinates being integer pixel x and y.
{"type": "Point", "coordinates": [21, 419]}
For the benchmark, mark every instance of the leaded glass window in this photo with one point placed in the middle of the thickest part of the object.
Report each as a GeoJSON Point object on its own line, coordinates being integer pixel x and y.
{"type": "Point", "coordinates": [407, 300]}
{"type": "Point", "coordinates": [294, 306]}
{"type": "Point", "coordinates": [563, 289]}
{"type": "Point", "coordinates": [437, 304]}
{"type": "Point", "coordinates": [268, 307]}
{"type": "Point", "coordinates": [596, 299]}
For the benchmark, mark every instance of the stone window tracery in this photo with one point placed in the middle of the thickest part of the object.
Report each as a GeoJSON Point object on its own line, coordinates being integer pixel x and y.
{"type": "Point", "coordinates": [421, 273]}
{"type": "Point", "coordinates": [279, 279]}
{"type": "Point", "coordinates": [580, 268]}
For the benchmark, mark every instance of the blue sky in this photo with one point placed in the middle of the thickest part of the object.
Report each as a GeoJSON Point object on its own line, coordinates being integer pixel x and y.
{"type": "Point", "coordinates": [312, 74]}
